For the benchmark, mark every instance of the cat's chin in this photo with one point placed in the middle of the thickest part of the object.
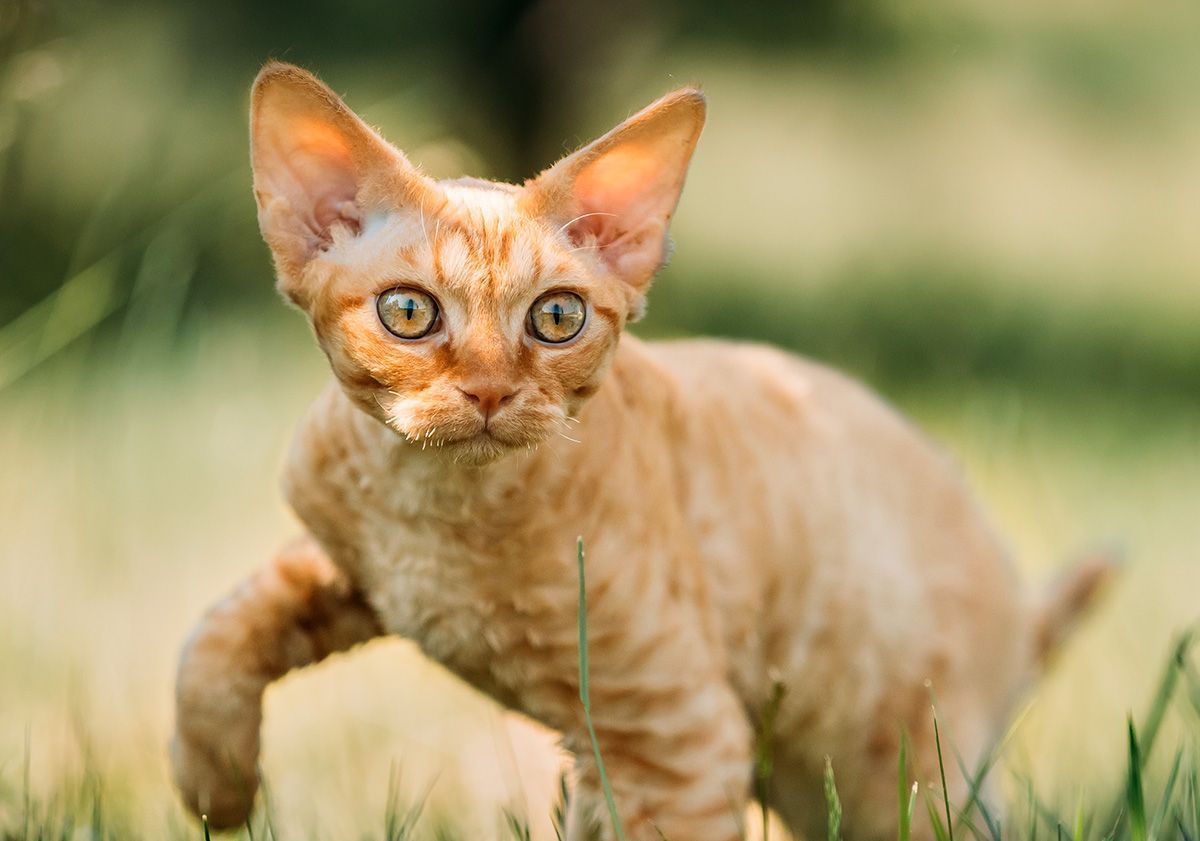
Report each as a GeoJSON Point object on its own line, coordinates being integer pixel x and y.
{"type": "Point", "coordinates": [476, 450]}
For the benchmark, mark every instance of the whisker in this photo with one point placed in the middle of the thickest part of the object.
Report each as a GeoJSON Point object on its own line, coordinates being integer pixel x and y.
{"type": "Point", "coordinates": [582, 216]}
{"type": "Point", "coordinates": [593, 246]}
{"type": "Point", "coordinates": [424, 231]}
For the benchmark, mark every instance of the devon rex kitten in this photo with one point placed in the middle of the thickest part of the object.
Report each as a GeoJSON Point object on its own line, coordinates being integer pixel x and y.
{"type": "Point", "coordinates": [749, 516]}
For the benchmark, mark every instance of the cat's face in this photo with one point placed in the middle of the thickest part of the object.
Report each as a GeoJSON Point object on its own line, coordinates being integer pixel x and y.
{"type": "Point", "coordinates": [472, 330]}
{"type": "Point", "coordinates": [473, 318]}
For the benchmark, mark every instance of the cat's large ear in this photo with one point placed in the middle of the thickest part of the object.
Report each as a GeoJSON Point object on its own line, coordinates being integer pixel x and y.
{"type": "Point", "coordinates": [618, 193]}
{"type": "Point", "coordinates": [317, 166]}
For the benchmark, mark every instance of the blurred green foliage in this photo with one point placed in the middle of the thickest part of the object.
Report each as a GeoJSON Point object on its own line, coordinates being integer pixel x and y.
{"type": "Point", "coordinates": [125, 207]}
{"type": "Point", "coordinates": [143, 79]}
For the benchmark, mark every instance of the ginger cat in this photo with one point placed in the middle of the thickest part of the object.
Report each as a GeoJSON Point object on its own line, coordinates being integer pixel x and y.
{"type": "Point", "coordinates": [748, 515]}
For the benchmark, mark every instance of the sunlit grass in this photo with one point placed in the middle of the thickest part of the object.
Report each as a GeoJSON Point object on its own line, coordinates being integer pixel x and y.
{"type": "Point", "coordinates": [1126, 815]}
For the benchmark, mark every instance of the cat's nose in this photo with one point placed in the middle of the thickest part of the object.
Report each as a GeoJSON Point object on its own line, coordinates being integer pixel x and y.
{"type": "Point", "coordinates": [489, 396]}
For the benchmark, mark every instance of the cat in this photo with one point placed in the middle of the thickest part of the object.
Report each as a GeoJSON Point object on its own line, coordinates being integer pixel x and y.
{"type": "Point", "coordinates": [752, 520]}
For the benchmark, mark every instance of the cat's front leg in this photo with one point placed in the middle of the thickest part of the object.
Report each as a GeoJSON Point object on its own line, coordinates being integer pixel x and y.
{"type": "Point", "coordinates": [680, 771]}
{"type": "Point", "coordinates": [296, 610]}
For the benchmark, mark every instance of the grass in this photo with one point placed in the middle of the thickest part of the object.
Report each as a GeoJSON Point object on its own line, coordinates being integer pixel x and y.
{"type": "Point", "coordinates": [140, 467]}
{"type": "Point", "coordinates": [1175, 815]}
{"type": "Point", "coordinates": [586, 701]}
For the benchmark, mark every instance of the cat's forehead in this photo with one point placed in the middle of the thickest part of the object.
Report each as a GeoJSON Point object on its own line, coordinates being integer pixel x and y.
{"type": "Point", "coordinates": [478, 242]}
{"type": "Point", "coordinates": [487, 200]}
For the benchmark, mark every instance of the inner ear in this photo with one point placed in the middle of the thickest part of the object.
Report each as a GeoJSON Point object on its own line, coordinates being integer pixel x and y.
{"type": "Point", "coordinates": [617, 195]}
{"type": "Point", "coordinates": [622, 188]}
{"type": "Point", "coordinates": [309, 165]}
{"type": "Point", "coordinates": [318, 168]}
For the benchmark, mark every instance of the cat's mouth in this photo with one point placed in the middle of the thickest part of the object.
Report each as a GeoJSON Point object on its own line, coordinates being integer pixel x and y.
{"type": "Point", "coordinates": [482, 447]}
{"type": "Point", "coordinates": [465, 437]}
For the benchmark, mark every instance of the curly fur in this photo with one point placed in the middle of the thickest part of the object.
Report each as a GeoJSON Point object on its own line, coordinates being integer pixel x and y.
{"type": "Point", "coordinates": [750, 517]}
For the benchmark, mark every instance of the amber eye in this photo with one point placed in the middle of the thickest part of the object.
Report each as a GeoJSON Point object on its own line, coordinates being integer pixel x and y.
{"type": "Point", "coordinates": [407, 313]}
{"type": "Point", "coordinates": [556, 317]}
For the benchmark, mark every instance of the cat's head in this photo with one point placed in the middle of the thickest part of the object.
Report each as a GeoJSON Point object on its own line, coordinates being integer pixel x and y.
{"type": "Point", "coordinates": [472, 317]}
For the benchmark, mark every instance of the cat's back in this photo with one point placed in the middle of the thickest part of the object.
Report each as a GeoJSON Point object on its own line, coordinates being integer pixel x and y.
{"type": "Point", "coordinates": [806, 477]}
{"type": "Point", "coordinates": [792, 435]}
{"type": "Point", "coordinates": [756, 391]}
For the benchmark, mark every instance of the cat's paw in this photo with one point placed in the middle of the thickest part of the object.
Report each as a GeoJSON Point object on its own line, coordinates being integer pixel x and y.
{"type": "Point", "coordinates": [213, 783]}
{"type": "Point", "coordinates": [218, 711]}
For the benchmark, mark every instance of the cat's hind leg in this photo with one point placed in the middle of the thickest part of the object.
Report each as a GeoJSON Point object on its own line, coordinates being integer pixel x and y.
{"type": "Point", "coordinates": [296, 610]}
{"type": "Point", "coordinates": [866, 773]}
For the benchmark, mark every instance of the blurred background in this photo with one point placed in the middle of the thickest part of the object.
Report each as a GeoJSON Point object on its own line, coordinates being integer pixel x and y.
{"type": "Point", "coordinates": [988, 211]}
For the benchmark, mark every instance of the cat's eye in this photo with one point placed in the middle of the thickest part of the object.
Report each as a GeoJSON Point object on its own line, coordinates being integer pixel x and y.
{"type": "Point", "coordinates": [407, 313]}
{"type": "Point", "coordinates": [557, 317]}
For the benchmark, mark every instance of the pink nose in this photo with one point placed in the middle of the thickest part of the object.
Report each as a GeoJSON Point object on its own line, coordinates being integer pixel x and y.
{"type": "Point", "coordinates": [488, 397]}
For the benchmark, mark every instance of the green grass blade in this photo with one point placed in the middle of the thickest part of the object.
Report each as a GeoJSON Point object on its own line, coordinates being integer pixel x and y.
{"type": "Point", "coordinates": [1164, 806]}
{"type": "Point", "coordinates": [903, 799]}
{"type": "Point", "coordinates": [764, 754]}
{"type": "Point", "coordinates": [1194, 788]}
{"type": "Point", "coordinates": [518, 827]}
{"type": "Point", "coordinates": [974, 800]}
{"type": "Point", "coordinates": [912, 804]}
{"type": "Point", "coordinates": [558, 814]}
{"type": "Point", "coordinates": [586, 698]}
{"type": "Point", "coordinates": [1135, 799]}
{"type": "Point", "coordinates": [1034, 811]}
{"type": "Point", "coordinates": [935, 819]}
{"type": "Point", "coordinates": [1193, 682]}
{"type": "Point", "coordinates": [937, 740]}
{"type": "Point", "coordinates": [833, 805]}
{"type": "Point", "coordinates": [1166, 689]}
{"type": "Point", "coordinates": [1116, 827]}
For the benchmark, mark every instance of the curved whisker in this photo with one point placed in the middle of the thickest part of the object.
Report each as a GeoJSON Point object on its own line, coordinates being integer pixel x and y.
{"type": "Point", "coordinates": [583, 216]}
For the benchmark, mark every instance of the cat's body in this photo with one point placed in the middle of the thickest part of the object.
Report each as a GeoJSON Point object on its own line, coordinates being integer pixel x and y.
{"type": "Point", "coordinates": [849, 544]}
{"type": "Point", "coordinates": [750, 518]}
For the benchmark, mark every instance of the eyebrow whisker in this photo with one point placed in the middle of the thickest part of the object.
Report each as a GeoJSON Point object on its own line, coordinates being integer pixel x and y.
{"type": "Point", "coordinates": [583, 216]}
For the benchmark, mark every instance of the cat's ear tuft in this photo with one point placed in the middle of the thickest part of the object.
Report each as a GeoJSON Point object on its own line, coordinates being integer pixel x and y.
{"type": "Point", "coordinates": [617, 194]}
{"type": "Point", "coordinates": [317, 166]}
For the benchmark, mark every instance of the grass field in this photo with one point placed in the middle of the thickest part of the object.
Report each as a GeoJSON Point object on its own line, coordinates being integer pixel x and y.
{"type": "Point", "coordinates": [138, 487]}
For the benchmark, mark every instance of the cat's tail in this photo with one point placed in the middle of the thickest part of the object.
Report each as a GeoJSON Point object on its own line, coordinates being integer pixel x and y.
{"type": "Point", "coordinates": [1070, 597]}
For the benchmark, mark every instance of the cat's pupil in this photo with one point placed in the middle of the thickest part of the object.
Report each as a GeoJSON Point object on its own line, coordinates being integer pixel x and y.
{"type": "Point", "coordinates": [556, 317]}
{"type": "Point", "coordinates": [410, 307]}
